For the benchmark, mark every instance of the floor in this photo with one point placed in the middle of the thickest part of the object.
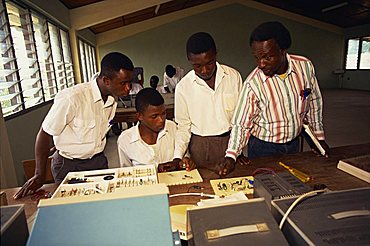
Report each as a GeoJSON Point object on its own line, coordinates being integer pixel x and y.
{"type": "Point", "coordinates": [346, 121]}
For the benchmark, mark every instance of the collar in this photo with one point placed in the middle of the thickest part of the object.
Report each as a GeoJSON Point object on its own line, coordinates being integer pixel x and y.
{"type": "Point", "coordinates": [136, 134]}
{"type": "Point", "coordinates": [220, 73]}
{"type": "Point", "coordinates": [96, 92]}
{"type": "Point", "coordinates": [288, 72]}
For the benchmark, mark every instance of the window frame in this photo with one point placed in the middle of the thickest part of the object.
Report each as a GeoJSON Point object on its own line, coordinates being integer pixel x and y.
{"type": "Point", "coordinates": [84, 66]}
{"type": "Point", "coordinates": [45, 101]}
{"type": "Point", "coordinates": [361, 39]}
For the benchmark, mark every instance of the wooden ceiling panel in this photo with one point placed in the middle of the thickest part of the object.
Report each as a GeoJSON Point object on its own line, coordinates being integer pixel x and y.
{"type": "Point", "coordinates": [71, 4]}
{"type": "Point", "coordinates": [139, 16]}
{"type": "Point", "coordinates": [342, 13]}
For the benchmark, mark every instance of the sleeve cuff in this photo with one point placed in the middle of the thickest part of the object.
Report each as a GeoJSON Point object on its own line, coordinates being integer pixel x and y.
{"type": "Point", "coordinates": [231, 154]}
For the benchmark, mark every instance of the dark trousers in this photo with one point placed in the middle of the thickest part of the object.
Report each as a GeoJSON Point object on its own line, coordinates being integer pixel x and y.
{"type": "Point", "coordinates": [208, 151]}
{"type": "Point", "coordinates": [61, 166]}
{"type": "Point", "coordinates": [258, 148]}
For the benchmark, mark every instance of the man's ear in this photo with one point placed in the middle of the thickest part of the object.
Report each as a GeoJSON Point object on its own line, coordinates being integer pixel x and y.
{"type": "Point", "coordinates": [106, 80]}
{"type": "Point", "coordinates": [139, 116]}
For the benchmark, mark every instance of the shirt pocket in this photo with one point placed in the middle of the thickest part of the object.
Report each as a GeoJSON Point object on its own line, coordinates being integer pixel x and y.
{"type": "Point", "coordinates": [84, 130]}
{"type": "Point", "coordinates": [230, 102]}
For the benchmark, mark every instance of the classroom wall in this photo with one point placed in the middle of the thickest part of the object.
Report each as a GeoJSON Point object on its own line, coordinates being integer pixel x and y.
{"type": "Point", "coordinates": [230, 26]}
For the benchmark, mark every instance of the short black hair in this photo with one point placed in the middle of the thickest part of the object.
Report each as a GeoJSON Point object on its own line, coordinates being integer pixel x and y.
{"type": "Point", "coordinates": [147, 96]}
{"type": "Point", "coordinates": [154, 81]}
{"type": "Point", "coordinates": [113, 62]}
{"type": "Point", "coordinates": [170, 71]}
{"type": "Point", "coordinates": [200, 42]}
{"type": "Point", "coordinates": [272, 30]}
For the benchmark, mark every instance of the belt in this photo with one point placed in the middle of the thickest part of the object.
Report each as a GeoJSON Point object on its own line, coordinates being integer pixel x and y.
{"type": "Point", "coordinates": [77, 159]}
{"type": "Point", "coordinates": [225, 134]}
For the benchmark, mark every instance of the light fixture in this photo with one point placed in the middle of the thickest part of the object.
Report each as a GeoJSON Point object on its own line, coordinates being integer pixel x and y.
{"type": "Point", "coordinates": [334, 7]}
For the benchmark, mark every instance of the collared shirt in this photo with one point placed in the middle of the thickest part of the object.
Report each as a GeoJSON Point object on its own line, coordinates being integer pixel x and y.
{"type": "Point", "coordinates": [202, 110]}
{"type": "Point", "coordinates": [136, 87]}
{"type": "Point", "coordinates": [79, 120]}
{"type": "Point", "coordinates": [132, 150]}
{"type": "Point", "coordinates": [272, 109]}
{"type": "Point", "coordinates": [171, 83]}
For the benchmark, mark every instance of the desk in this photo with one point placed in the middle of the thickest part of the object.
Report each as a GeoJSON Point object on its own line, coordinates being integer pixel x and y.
{"type": "Point", "coordinates": [323, 170]}
{"type": "Point", "coordinates": [128, 115]}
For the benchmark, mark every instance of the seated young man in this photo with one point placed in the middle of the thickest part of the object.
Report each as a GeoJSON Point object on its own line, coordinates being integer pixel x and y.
{"type": "Point", "coordinates": [152, 140]}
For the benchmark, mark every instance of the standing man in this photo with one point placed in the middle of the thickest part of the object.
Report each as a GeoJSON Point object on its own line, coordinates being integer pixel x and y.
{"type": "Point", "coordinates": [205, 101]}
{"type": "Point", "coordinates": [78, 122]}
{"type": "Point", "coordinates": [278, 96]}
{"type": "Point", "coordinates": [171, 77]}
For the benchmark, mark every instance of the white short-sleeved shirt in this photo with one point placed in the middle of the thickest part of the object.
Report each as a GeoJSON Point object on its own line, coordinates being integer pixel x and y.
{"type": "Point", "coordinates": [202, 110]}
{"type": "Point", "coordinates": [132, 150]}
{"type": "Point", "coordinates": [171, 83]}
{"type": "Point", "coordinates": [79, 120]}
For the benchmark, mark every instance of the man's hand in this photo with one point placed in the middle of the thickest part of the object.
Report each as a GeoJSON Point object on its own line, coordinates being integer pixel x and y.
{"type": "Point", "coordinates": [325, 147]}
{"type": "Point", "coordinates": [187, 163]}
{"type": "Point", "coordinates": [243, 160]}
{"type": "Point", "coordinates": [30, 187]}
{"type": "Point", "coordinates": [170, 166]}
{"type": "Point", "coordinates": [226, 166]}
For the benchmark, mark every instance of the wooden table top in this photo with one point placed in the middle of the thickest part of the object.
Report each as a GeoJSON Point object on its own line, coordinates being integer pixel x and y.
{"type": "Point", "coordinates": [323, 170]}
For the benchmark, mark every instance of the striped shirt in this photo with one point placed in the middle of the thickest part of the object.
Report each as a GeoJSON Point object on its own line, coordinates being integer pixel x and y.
{"type": "Point", "coordinates": [273, 109]}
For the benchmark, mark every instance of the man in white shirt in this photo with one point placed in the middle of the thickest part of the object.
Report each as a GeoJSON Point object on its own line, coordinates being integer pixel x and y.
{"type": "Point", "coordinates": [152, 141]}
{"type": "Point", "coordinates": [154, 80]}
{"type": "Point", "coordinates": [205, 100]}
{"type": "Point", "coordinates": [171, 77]}
{"type": "Point", "coordinates": [78, 123]}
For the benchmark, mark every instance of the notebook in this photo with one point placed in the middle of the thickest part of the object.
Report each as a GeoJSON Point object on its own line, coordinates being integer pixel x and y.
{"type": "Point", "coordinates": [356, 166]}
{"type": "Point", "coordinates": [180, 177]}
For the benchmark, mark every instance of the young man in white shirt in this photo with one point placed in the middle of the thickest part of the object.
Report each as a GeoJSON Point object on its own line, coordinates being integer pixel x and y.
{"type": "Point", "coordinates": [78, 122]}
{"type": "Point", "coordinates": [152, 141]}
{"type": "Point", "coordinates": [205, 100]}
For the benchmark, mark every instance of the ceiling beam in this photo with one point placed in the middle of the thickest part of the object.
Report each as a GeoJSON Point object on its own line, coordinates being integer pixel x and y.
{"type": "Point", "coordinates": [99, 12]}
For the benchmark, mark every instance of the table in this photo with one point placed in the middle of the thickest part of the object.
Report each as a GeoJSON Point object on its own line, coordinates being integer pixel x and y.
{"type": "Point", "coordinates": [323, 170]}
{"type": "Point", "coordinates": [128, 115]}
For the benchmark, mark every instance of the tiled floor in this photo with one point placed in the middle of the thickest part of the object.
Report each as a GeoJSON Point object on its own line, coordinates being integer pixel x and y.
{"type": "Point", "coordinates": [346, 121]}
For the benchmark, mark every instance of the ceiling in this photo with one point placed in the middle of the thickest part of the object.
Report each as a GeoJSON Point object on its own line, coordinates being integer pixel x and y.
{"type": "Point", "coordinates": [341, 13]}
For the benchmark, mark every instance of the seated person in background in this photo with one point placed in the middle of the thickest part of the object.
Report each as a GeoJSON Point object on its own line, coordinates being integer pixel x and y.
{"type": "Point", "coordinates": [171, 77]}
{"type": "Point", "coordinates": [135, 88]}
{"type": "Point", "coordinates": [137, 80]}
{"type": "Point", "coordinates": [152, 141]}
{"type": "Point", "coordinates": [154, 84]}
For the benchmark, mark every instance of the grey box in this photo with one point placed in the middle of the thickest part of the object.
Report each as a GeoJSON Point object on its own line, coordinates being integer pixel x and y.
{"type": "Point", "coordinates": [332, 218]}
{"type": "Point", "coordinates": [14, 230]}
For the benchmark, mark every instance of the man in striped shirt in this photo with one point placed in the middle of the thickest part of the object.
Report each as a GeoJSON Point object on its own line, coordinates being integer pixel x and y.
{"type": "Point", "coordinates": [279, 95]}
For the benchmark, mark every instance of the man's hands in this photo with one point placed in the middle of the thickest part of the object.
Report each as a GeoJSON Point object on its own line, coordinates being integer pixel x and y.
{"type": "Point", "coordinates": [30, 187]}
{"type": "Point", "coordinates": [226, 166]}
{"type": "Point", "coordinates": [177, 164]}
{"type": "Point", "coordinates": [325, 147]}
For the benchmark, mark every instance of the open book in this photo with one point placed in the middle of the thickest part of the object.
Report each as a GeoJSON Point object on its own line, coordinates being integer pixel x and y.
{"type": "Point", "coordinates": [180, 177]}
{"type": "Point", "coordinates": [356, 166]}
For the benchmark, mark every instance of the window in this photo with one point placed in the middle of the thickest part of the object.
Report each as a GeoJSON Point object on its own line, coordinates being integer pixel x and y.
{"type": "Point", "coordinates": [358, 53]}
{"type": "Point", "coordinates": [87, 59]}
{"type": "Point", "coordinates": [35, 59]}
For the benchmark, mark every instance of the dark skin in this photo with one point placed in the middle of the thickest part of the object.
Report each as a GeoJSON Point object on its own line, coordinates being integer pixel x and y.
{"type": "Point", "coordinates": [152, 121]}
{"type": "Point", "coordinates": [117, 86]}
{"type": "Point", "coordinates": [204, 65]}
{"type": "Point", "coordinates": [271, 59]}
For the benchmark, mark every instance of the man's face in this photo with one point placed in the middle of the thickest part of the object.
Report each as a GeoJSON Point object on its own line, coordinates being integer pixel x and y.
{"type": "Point", "coordinates": [204, 64]}
{"type": "Point", "coordinates": [269, 57]}
{"type": "Point", "coordinates": [153, 118]}
{"type": "Point", "coordinates": [121, 83]}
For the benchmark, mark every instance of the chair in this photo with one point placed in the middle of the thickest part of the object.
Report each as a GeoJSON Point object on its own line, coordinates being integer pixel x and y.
{"type": "Point", "coordinates": [29, 170]}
